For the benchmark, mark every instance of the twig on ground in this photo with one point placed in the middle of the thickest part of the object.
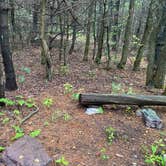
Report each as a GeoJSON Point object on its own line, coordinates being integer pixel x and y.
{"type": "Point", "coordinates": [29, 116]}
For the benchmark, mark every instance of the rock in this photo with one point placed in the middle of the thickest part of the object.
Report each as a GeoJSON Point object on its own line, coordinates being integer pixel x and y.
{"type": "Point", "coordinates": [139, 113]}
{"type": "Point", "coordinates": [150, 118]}
{"type": "Point", "coordinates": [26, 151]}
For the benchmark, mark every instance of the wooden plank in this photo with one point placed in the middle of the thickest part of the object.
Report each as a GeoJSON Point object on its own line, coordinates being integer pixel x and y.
{"type": "Point", "coordinates": [141, 100]}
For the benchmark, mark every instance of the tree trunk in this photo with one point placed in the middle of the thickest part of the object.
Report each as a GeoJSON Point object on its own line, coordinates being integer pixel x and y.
{"type": "Point", "coordinates": [154, 23]}
{"type": "Point", "coordinates": [160, 53]}
{"type": "Point", "coordinates": [125, 50]}
{"type": "Point", "coordinates": [101, 34]}
{"type": "Point", "coordinates": [140, 100]}
{"type": "Point", "coordinates": [45, 50]}
{"type": "Point", "coordinates": [34, 32]}
{"type": "Point", "coordinates": [94, 32]}
{"type": "Point", "coordinates": [144, 40]}
{"type": "Point", "coordinates": [115, 36]}
{"type": "Point", "coordinates": [5, 49]}
{"type": "Point", "coordinates": [74, 36]}
{"type": "Point", "coordinates": [88, 32]}
{"type": "Point", "coordinates": [2, 87]}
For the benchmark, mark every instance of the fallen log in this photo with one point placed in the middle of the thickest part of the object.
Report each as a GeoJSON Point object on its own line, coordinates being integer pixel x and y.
{"type": "Point", "coordinates": [140, 100]}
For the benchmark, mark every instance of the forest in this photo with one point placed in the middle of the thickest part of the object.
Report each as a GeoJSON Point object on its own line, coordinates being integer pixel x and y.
{"type": "Point", "coordinates": [82, 82]}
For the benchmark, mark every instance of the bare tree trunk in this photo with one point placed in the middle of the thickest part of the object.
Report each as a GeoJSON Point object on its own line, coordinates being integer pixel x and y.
{"type": "Point", "coordinates": [34, 32]}
{"type": "Point", "coordinates": [125, 50]}
{"type": "Point", "coordinates": [45, 50]}
{"type": "Point", "coordinates": [74, 36]}
{"type": "Point", "coordinates": [101, 34]}
{"type": "Point", "coordinates": [5, 49]}
{"type": "Point", "coordinates": [115, 36]}
{"type": "Point", "coordinates": [94, 32]}
{"type": "Point", "coordinates": [2, 87]}
{"type": "Point", "coordinates": [88, 32]}
{"type": "Point", "coordinates": [154, 23]}
{"type": "Point", "coordinates": [144, 40]}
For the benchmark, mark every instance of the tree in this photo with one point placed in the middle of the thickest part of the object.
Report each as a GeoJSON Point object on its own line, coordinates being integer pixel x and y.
{"type": "Point", "coordinates": [45, 53]}
{"type": "Point", "coordinates": [88, 31]}
{"type": "Point", "coordinates": [125, 50]}
{"type": "Point", "coordinates": [154, 24]}
{"type": "Point", "coordinates": [101, 33]}
{"type": "Point", "coordinates": [144, 40]}
{"type": "Point", "coordinates": [160, 53]}
{"type": "Point", "coordinates": [35, 21]}
{"type": "Point", "coordinates": [115, 36]}
{"type": "Point", "coordinates": [10, 83]}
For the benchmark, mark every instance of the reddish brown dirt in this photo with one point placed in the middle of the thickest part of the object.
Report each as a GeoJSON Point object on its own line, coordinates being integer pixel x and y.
{"type": "Point", "coordinates": [81, 138]}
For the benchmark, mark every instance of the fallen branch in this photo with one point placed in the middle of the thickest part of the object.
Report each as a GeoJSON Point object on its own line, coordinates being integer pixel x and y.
{"type": "Point", "coordinates": [140, 100]}
{"type": "Point", "coordinates": [29, 116]}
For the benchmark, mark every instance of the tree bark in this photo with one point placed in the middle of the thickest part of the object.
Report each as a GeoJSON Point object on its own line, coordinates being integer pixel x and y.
{"type": "Point", "coordinates": [88, 32]}
{"type": "Point", "coordinates": [125, 50]}
{"type": "Point", "coordinates": [44, 47]}
{"type": "Point", "coordinates": [5, 49]}
{"type": "Point", "coordinates": [144, 40]}
{"type": "Point", "coordinates": [140, 100]}
{"type": "Point", "coordinates": [101, 34]}
{"type": "Point", "coordinates": [74, 36]}
{"type": "Point", "coordinates": [115, 36]}
{"type": "Point", "coordinates": [154, 23]}
{"type": "Point", "coordinates": [2, 87]}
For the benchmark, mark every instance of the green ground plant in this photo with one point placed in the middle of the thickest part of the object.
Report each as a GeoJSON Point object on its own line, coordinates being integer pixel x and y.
{"type": "Point", "coordinates": [68, 88]}
{"type": "Point", "coordinates": [103, 154]}
{"type": "Point", "coordinates": [48, 102]}
{"type": "Point", "coordinates": [67, 117]}
{"type": "Point", "coordinates": [64, 70]}
{"type": "Point", "coordinates": [62, 162]}
{"type": "Point", "coordinates": [5, 120]}
{"type": "Point", "coordinates": [19, 132]}
{"type": "Point", "coordinates": [110, 134]}
{"type": "Point", "coordinates": [2, 148]}
{"type": "Point", "coordinates": [35, 133]}
{"type": "Point", "coordinates": [155, 154]}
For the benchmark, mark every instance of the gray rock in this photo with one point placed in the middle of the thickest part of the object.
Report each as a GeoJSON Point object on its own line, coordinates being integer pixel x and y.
{"type": "Point", "coordinates": [150, 117]}
{"type": "Point", "coordinates": [26, 151]}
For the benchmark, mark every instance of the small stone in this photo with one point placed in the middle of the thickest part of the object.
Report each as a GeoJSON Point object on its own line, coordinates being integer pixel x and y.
{"type": "Point", "coordinates": [36, 160]}
{"type": "Point", "coordinates": [21, 157]}
{"type": "Point", "coordinates": [135, 156]}
{"type": "Point", "coordinates": [119, 155]}
{"type": "Point", "coordinates": [139, 113]}
{"type": "Point", "coordinates": [134, 164]}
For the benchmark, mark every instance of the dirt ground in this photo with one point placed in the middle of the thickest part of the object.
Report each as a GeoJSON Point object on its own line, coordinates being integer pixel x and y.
{"type": "Point", "coordinates": [80, 138]}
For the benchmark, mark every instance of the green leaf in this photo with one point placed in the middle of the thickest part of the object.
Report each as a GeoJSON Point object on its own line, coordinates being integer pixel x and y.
{"type": "Point", "coordinates": [2, 148]}
{"type": "Point", "coordinates": [21, 102]}
{"type": "Point", "coordinates": [6, 120]}
{"type": "Point", "coordinates": [35, 133]}
{"type": "Point", "coordinates": [62, 161]}
{"type": "Point", "coordinates": [18, 129]}
{"type": "Point", "coordinates": [154, 149]}
{"type": "Point", "coordinates": [21, 79]}
{"type": "Point", "coordinates": [17, 136]}
{"type": "Point", "coordinates": [100, 110]}
{"type": "Point", "coordinates": [26, 70]}
{"type": "Point", "coordinates": [75, 96]}
{"type": "Point", "coordinates": [16, 112]}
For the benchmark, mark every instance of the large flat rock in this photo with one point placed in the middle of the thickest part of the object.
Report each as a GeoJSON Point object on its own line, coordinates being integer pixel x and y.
{"type": "Point", "coordinates": [26, 151]}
